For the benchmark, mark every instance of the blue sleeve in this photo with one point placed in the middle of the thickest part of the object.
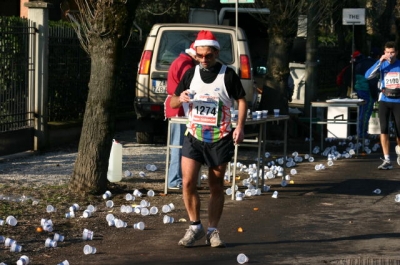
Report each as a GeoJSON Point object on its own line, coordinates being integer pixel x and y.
{"type": "Point", "coordinates": [373, 71]}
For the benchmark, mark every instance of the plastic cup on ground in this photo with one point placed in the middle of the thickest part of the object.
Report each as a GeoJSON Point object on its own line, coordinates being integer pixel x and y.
{"type": "Point", "coordinates": [91, 208]}
{"type": "Point", "coordinates": [109, 204]}
{"type": "Point", "coordinates": [50, 209]}
{"type": "Point", "coordinates": [65, 262]}
{"type": "Point", "coordinates": [110, 217]}
{"type": "Point", "coordinates": [58, 237]}
{"type": "Point", "coordinates": [137, 193]}
{"type": "Point", "coordinates": [69, 215]}
{"type": "Point", "coordinates": [144, 211]}
{"type": "Point", "coordinates": [107, 195]}
{"type": "Point", "coordinates": [87, 234]}
{"type": "Point", "coordinates": [11, 220]}
{"type": "Point", "coordinates": [2, 239]}
{"type": "Point", "coordinates": [150, 193]}
{"type": "Point", "coordinates": [228, 191]}
{"type": "Point", "coordinates": [86, 214]}
{"type": "Point", "coordinates": [15, 247]}
{"type": "Point", "coordinates": [396, 199]}
{"type": "Point", "coordinates": [9, 241]}
{"type": "Point", "coordinates": [172, 206]}
{"type": "Point", "coordinates": [128, 197]}
{"type": "Point", "coordinates": [128, 174]}
{"type": "Point", "coordinates": [275, 195]}
{"type": "Point", "coordinates": [139, 226]}
{"type": "Point", "coordinates": [119, 223]}
{"type": "Point", "coordinates": [153, 210]}
{"type": "Point", "coordinates": [168, 219]}
{"type": "Point", "coordinates": [142, 174]}
{"type": "Point", "coordinates": [242, 258]}
{"type": "Point", "coordinates": [239, 196]}
{"type": "Point", "coordinates": [89, 250]}
{"type": "Point", "coordinates": [50, 243]}
{"type": "Point", "coordinates": [166, 209]}
{"type": "Point", "coordinates": [276, 112]}
{"type": "Point", "coordinates": [144, 203]}
{"type": "Point", "coordinates": [377, 191]}
{"type": "Point", "coordinates": [293, 171]}
{"type": "Point", "coordinates": [23, 260]}
{"type": "Point", "coordinates": [75, 207]}
{"type": "Point", "coordinates": [2, 222]}
{"type": "Point", "coordinates": [254, 115]}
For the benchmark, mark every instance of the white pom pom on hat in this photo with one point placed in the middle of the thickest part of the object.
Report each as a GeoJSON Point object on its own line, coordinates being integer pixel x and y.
{"type": "Point", "coordinates": [206, 38]}
{"type": "Point", "coordinates": [191, 50]}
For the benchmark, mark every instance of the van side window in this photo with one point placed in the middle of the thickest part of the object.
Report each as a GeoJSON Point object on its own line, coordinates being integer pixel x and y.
{"type": "Point", "coordinates": [172, 43]}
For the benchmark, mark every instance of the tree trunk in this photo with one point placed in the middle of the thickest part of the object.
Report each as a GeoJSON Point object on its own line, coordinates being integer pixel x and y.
{"type": "Point", "coordinates": [274, 94]}
{"type": "Point", "coordinates": [90, 171]}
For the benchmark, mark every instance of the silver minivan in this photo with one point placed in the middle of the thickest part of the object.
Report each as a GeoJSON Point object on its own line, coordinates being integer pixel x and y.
{"type": "Point", "coordinates": [164, 43]}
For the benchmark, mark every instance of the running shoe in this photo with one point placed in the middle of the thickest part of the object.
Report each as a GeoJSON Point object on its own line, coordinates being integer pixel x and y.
{"type": "Point", "coordinates": [214, 240]}
{"type": "Point", "coordinates": [192, 234]}
{"type": "Point", "coordinates": [385, 165]}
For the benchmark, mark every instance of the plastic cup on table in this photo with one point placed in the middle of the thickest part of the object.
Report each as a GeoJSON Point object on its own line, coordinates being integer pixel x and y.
{"type": "Point", "coordinates": [276, 112]}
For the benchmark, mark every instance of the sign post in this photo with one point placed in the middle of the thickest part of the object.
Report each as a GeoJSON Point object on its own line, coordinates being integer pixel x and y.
{"type": "Point", "coordinates": [236, 9]}
{"type": "Point", "coordinates": [353, 16]}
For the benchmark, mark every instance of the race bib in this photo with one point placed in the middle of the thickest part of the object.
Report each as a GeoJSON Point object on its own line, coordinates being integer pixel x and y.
{"type": "Point", "coordinates": [205, 112]}
{"type": "Point", "coordinates": [392, 80]}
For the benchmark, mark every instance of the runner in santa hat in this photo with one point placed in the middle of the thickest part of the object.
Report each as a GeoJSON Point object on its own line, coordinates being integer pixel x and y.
{"type": "Point", "coordinates": [210, 137]}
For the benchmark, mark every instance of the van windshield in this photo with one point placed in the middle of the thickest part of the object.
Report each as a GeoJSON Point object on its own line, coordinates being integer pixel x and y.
{"type": "Point", "coordinates": [172, 43]}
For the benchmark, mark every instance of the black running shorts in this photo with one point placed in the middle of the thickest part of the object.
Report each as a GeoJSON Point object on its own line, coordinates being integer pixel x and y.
{"type": "Point", "coordinates": [210, 154]}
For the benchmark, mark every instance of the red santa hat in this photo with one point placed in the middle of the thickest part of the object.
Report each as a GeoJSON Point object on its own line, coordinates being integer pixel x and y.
{"type": "Point", "coordinates": [206, 38]}
{"type": "Point", "coordinates": [191, 50]}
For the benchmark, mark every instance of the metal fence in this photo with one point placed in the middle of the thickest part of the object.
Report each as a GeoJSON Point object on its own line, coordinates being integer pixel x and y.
{"type": "Point", "coordinates": [15, 64]}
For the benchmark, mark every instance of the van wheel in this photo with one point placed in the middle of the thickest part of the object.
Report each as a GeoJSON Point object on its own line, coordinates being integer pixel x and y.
{"type": "Point", "coordinates": [144, 137]}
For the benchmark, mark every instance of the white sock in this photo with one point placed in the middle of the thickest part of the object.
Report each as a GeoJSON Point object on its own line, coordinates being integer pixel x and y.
{"type": "Point", "coordinates": [195, 226]}
{"type": "Point", "coordinates": [387, 157]}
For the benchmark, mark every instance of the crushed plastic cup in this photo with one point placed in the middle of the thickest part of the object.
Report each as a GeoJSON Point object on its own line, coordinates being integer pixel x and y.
{"type": "Point", "coordinates": [139, 226]}
{"type": "Point", "coordinates": [109, 204]}
{"type": "Point", "coordinates": [242, 258]}
{"type": "Point", "coordinates": [15, 247]}
{"type": "Point", "coordinates": [377, 191]}
{"type": "Point", "coordinates": [11, 220]}
{"type": "Point", "coordinates": [275, 195]}
{"type": "Point", "coordinates": [24, 260]}
{"type": "Point", "coordinates": [87, 234]}
{"type": "Point", "coordinates": [9, 241]}
{"type": "Point", "coordinates": [107, 195]}
{"type": "Point", "coordinates": [65, 262]}
{"type": "Point", "coordinates": [50, 243]}
{"type": "Point", "coordinates": [168, 219]}
{"type": "Point", "coordinates": [142, 174]}
{"type": "Point", "coordinates": [153, 210]}
{"type": "Point", "coordinates": [58, 237]}
{"type": "Point", "coordinates": [74, 207]}
{"type": "Point", "coordinates": [330, 163]}
{"type": "Point", "coordinates": [89, 250]}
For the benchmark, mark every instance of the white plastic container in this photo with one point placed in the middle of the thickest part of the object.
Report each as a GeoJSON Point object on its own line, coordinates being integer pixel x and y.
{"type": "Point", "coordinates": [114, 173]}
